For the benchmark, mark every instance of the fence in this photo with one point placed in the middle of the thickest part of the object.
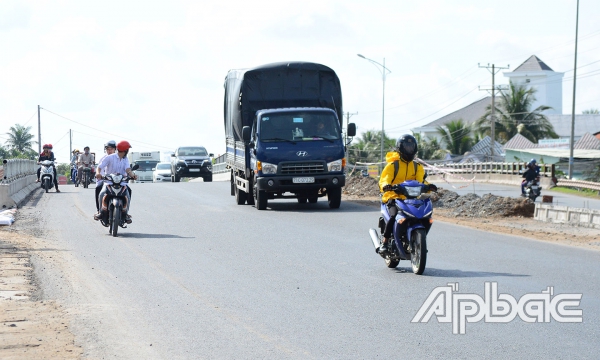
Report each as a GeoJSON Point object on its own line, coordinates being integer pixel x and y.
{"type": "Point", "coordinates": [490, 168]}
{"type": "Point", "coordinates": [17, 181]}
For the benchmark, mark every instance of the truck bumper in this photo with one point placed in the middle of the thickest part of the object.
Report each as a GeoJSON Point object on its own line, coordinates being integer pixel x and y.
{"type": "Point", "coordinates": [286, 183]}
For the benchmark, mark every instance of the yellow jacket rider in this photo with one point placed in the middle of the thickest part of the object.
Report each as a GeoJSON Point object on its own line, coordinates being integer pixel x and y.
{"type": "Point", "coordinates": [401, 167]}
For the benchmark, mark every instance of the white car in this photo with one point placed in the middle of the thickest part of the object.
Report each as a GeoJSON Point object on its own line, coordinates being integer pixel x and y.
{"type": "Point", "coordinates": [162, 172]}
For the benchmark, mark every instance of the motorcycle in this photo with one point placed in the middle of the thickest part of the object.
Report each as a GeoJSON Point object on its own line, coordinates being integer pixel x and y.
{"type": "Point", "coordinates": [533, 189]}
{"type": "Point", "coordinates": [86, 176]}
{"type": "Point", "coordinates": [74, 175]}
{"type": "Point", "coordinates": [415, 212]}
{"type": "Point", "coordinates": [47, 174]}
{"type": "Point", "coordinates": [115, 200]}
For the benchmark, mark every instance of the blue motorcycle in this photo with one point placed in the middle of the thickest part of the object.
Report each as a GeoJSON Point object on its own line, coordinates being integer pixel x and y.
{"type": "Point", "coordinates": [74, 175]}
{"type": "Point", "coordinates": [414, 213]}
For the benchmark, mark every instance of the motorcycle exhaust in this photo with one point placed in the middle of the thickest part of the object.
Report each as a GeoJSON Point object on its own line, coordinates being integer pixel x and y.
{"type": "Point", "coordinates": [374, 238]}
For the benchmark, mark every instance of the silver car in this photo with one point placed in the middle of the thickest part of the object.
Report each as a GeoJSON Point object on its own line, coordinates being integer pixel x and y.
{"type": "Point", "coordinates": [162, 172]}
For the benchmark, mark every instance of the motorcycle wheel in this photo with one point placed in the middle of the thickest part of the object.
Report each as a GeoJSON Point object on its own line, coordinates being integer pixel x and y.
{"type": "Point", "coordinates": [46, 184]}
{"type": "Point", "coordinates": [116, 220]}
{"type": "Point", "coordinates": [418, 257]}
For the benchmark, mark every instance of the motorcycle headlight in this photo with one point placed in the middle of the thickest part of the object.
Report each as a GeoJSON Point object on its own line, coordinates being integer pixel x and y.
{"type": "Point", "coordinates": [337, 165]}
{"type": "Point", "coordinates": [117, 178]}
{"type": "Point", "coordinates": [266, 168]}
{"type": "Point", "coordinates": [413, 190]}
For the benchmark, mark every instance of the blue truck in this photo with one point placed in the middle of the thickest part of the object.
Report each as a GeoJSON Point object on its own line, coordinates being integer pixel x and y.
{"type": "Point", "coordinates": [283, 128]}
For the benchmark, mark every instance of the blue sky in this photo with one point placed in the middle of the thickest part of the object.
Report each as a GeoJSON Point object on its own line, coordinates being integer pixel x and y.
{"type": "Point", "coordinates": [152, 72]}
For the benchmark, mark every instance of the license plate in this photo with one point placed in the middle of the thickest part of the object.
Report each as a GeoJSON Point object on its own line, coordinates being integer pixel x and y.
{"type": "Point", "coordinates": [303, 180]}
{"type": "Point", "coordinates": [194, 170]}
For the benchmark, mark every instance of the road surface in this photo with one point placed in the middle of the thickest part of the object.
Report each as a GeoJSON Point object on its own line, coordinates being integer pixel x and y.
{"type": "Point", "coordinates": [197, 276]}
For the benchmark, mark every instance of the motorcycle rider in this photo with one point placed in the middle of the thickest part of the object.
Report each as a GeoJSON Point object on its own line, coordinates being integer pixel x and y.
{"type": "Point", "coordinates": [532, 173]}
{"type": "Point", "coordinates": [74, 165]}
{"type": "Point", "coordinates": [47, 154]}
{"type": "Point", "coordinates": [115, 163]}
{"type": "Point", "coordinates": [401, 167]}
{"type": "Point", "coordinates": [84, 159]}
{"type": "Point", "coordinates": [109, 148]}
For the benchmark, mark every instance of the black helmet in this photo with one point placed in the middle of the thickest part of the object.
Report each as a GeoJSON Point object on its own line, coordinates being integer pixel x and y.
{"type": "Point", "coordinates": [111, 143]}
{"type": "Point", "coordinates": [407, 147]}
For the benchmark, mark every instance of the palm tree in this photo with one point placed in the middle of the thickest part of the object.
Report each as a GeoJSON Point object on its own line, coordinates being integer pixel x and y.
{"type": "Point", "coordinates": [514, 116]}
{"type": "Point", "coordinates": [456, 136]}
{"type": "Point", "coordinates": [591, 111]}
{"type": "Point", "coordinates": [20, 139]}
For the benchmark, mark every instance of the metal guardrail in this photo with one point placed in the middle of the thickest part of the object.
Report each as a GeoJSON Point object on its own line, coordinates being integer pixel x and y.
{"type": "Point", "coordinates": [493, 168]}
{"type": "Point", "coordinates": [219, 165]}
{"type": "Point", "coordinates": [579, 184]}
{"type": "Point", "coordinates": [17, 168]}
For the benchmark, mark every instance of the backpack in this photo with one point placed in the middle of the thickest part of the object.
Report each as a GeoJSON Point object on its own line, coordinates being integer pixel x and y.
{"type": "Point", "coordinates": [397, 166]}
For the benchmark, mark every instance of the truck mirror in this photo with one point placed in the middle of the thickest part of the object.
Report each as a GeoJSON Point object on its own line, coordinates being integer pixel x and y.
{"type": "Point", "coordinates": [211, 155]}
{"type": "Point", "coordinates": [351, 129]}
{"type": "Point", "coordinates": [246, 133]}
{"type": "Point", "coordinates": [172, 155]}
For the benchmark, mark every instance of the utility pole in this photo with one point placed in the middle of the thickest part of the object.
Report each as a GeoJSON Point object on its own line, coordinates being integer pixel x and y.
{"type": "Point", "coordinates": [494, 70]}
{"type": "Point", "coordinates": [39, 133]}
{"type": "Point", "coordinates": [348, 116]}
{"type": "Point", "coordinates": [70, 143]}
{"type": "Point", "coordinates": [572, 138]}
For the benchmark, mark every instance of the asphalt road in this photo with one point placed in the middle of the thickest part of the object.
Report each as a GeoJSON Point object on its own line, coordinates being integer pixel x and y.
{"type": "Point", "coordinates": [559, 198]}
{"type": "Point", "coordinates": [198, 277]}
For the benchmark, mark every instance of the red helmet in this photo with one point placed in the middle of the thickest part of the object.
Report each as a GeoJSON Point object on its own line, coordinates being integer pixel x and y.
{"type": "Point", "coordinates": [50, 146]}
{"type": "Point", "coordinates": [123, 145]}
{"type": "Point", "coordinates": [47, 146]}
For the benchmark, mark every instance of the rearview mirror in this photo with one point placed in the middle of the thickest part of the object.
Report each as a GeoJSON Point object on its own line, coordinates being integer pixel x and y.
{"type": "Point", "coordinates": [172, 155]}
{"type": "Point", "coordinates": [211, 155]}
{"type": "Point", "coordinates": [351, 129]}
{"type": "Point", "coordinates": [153, 169]}
{"type": "Point", "coordinates": [135, 167]}
{"type": "Point", "coordinates": [246, 133]}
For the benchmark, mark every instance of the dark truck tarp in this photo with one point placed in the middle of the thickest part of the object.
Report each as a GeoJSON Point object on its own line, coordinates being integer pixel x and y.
{"type": "Point", "coordinates": [278, 85]}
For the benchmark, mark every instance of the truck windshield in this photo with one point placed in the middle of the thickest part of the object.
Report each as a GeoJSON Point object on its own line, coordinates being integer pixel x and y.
{"type": "Point", "coordinates": [299, 126]}
{"type": "Point", "coordinates": [146, 165]}
{"type": "Point", "coordinates": [192, 151]}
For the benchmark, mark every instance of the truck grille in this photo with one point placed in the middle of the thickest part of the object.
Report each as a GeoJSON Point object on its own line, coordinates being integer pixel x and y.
{"type": "Point", "coordinates": [307, 167]}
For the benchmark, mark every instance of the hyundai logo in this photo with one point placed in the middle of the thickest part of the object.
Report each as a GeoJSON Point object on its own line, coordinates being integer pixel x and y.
{"type": "Point", "coordinates": [301, 153]}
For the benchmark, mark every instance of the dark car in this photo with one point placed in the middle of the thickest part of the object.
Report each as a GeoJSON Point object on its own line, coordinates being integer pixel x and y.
{"type": "Point", "coordinates": [191, 162]}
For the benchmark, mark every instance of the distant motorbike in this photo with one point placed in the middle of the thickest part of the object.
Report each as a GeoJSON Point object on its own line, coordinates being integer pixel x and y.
{"type": "Point", "coordinates": [86, 176]}
{"type": "Point", "coordinates": [533, 189]}
{"type": "Point", "coordinates": [417, 214]}
{"type": "Point", "coordinates": [47, 174]}
{"type": "Point", "coordinates": [114, 201]}
{"type": "Point", "coordinates": [74, 175]}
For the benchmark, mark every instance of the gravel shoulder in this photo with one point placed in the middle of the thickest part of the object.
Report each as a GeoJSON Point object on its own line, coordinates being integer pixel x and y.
{"type": "Point", "coordinates": [30, 327]}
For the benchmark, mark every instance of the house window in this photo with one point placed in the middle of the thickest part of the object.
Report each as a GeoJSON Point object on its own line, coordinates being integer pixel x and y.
{"type": "Point", "coordinates": [527, 80]}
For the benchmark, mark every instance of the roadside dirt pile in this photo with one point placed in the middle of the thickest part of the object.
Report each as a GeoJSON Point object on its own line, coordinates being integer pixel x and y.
{"type": "Point", "coordinates": [469, 205]}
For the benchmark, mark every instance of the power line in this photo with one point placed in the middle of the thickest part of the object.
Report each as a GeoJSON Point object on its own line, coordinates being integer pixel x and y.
{"type": "Point", "coordinates": [105, 132]}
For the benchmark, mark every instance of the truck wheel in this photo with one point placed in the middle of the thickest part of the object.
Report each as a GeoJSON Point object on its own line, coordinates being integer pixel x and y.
{"type": "Point", "coordinates": [232, 184]}
{"type": "Point", "coordinates": [261, 200]}
{"type": "Point", "coordinates": [334, 197]}
{"type": "Point", "coordinates": [240, 196]}
{"type": "Point", "coordinates": [177, 178]}
{"type": "Point", "coordinates": [313, 197]}
{"type": "Point", "coordinates": [302, 198]}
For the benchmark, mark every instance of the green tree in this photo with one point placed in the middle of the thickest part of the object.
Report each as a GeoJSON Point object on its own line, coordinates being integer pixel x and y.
{"type": "Point", "coordinates": [455, 135]}
{"type": "Point", "coordinates": [20, 138]}
{"type": "Point", "coordinates": [513, 116]}
{"type": "Point", "coordinates": [4, 153]}
{"type": "Point", "coordinates": [591, 111]}
{"type": "Point", "coordinates": [429, 149]}
{"type": "Point", "coordinates": [368, 147]}
{"type": "Point", "coordinates": [593, 174]}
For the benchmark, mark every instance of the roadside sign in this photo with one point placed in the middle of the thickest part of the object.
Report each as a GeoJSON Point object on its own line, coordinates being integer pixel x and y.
{"type": "Point", "coordinates": [374, 171]}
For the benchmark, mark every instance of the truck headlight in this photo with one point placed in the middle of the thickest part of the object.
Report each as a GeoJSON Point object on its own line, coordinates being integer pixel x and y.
{"type": "Point", "coordinates": [266, 168]}
{"type": "Point", "coordinates": [337, 165]}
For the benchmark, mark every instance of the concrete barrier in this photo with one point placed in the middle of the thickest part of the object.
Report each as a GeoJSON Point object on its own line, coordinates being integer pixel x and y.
{"type": "Point", "coordinates": [18, 181]}
{"type": "Point", "coordinates": [567, 215]}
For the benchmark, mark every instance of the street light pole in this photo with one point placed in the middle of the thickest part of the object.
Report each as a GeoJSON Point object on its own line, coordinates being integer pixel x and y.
{"type": "Point", "coordinates": [384, 72]}
{"type": "Point", "coordinates": [572, 137]}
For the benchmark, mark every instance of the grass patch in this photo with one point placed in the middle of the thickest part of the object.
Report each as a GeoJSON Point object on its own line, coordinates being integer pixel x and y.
{"type": "Point", "coordinates": [573, 191]}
